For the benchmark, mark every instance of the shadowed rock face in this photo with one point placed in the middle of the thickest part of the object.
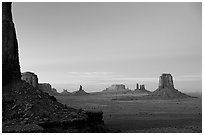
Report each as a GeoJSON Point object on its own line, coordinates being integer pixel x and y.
{"type": "Point", "coordinates": [30, 78]}
{"type": "Point", "coordinates": [80, 92]}
{"type": "Point", "coordinates": [80, 87]}
{"type": "Point", "coordinates": [10, 60]}
{"type": "Point", "coordinates": [26, 108]}
{"type": "Point", "coordinates": [166, 89]}
{"type": "Point", "coordinates": [166, 80]}
{"type": "Point", "coordinates": [142, 87]}
{"type": "Point", "coordinates": [137, 86]}
{"type": "Point", "coordinates": [46, 87]}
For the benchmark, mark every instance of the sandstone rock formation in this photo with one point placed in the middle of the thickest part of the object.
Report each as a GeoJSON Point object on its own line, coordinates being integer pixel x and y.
{"type": "Point", "coordinates": [46, 87]}
{"type": "Point", "coordinates": [26, 108]}
{"type": "Point", "coordinates": [80, 87]}
{"type": "Point", "coordinates": [54, 91]}
{"type": "Point", "coordinates": [10, 59]}
{"type": "Point", "coordinates": [166, 80]}
{"type": "Point", "coordinates": [140, 89]}
{"type": "Point", "coordinates": [29, 107]}
{"type": "Point", "coordinates": [137, 86]}
{"type": "Point", "coordinates": [65, 93]}
{"type": "Point", "coordinates": [30, 78]}
{"type": "Point", "coordinates": [166, 89]}
{"type": "Point", "coordinates": [80, 92]}
{"type": "Point", "coordinates": [116, 89]}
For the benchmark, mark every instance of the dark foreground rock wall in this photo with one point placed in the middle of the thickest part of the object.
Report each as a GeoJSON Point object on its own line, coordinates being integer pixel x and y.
{"type": "Point", "coordinates": [28, 109]}
{"type": "Point", "coordinates": [26, 106]}
{"type": "Point", "coordinates": [10, 60]}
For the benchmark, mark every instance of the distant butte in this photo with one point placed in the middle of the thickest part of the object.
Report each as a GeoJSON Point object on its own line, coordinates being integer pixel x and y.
{"type": "Point", "coordinates": [116, 89]}
{"type": "Point", "coordinates": [166, 89]}
{"type": "Point", "coordinates": [80, 92]}
{"type": "Point", "coordinates": [140, 89]}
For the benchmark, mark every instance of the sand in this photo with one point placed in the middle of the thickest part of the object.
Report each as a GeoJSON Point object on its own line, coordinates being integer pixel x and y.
{"type": "Point", "coordinates": [184, 115]}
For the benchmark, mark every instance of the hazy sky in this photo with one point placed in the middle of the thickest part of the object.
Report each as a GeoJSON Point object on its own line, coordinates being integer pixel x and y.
{"type": "Point", "coordinates": [99, 44]}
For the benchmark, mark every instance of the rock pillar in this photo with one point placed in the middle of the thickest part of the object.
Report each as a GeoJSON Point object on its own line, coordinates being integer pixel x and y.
{"type": "Point", "coordinates": [10, 59]}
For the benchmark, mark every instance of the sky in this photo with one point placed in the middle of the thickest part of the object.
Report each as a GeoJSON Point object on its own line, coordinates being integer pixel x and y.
{"type": "Point", "coordinates": [99, 44]}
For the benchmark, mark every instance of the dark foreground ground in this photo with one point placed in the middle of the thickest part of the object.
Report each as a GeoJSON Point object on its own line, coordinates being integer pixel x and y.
{"type": "Point", "coordinates": [169, 116]}
{"type": "Point", "coordinates": [26, 109]}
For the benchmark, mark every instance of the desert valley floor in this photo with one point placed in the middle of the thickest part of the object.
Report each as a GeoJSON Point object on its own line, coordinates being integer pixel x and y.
{"type": "Point", "coordinates": [176, 115]}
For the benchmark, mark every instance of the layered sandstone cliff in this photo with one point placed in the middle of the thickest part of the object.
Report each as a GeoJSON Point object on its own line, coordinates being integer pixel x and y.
{"type": "Point", "coordinates": [10, 59]}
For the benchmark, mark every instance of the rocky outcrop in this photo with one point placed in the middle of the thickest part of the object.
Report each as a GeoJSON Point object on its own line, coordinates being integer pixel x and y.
{"type": "Point", "coordinates": [30, 78]}
{"type": "Point", "coordinates": [10, 59]}
{"type": "Point", "coordinates": [140, 89]}
{"type": "Point", "coordinates": [137, 87]}
{"type": "Point", "coordinates": [166, 89]}
{"type": "Point", "coordinates": [80, 92]}
{"type": "Point", "coordinates": [65, 93]}
{"type": "Point", "coordinates": [54, 91]}
{"type": "Point", "coordinates": [80, 87]}
{"type": "Point", "coordinates": [166, 81]}
{"type": "Point", "coordinates": [46, 87]}
{"type": "Point", "coordinates": [116, 89]}
{"type": "Point", "coordinates": [26, 108]}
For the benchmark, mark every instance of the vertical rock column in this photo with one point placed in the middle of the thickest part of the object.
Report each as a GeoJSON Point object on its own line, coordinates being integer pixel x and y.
{"type": "Point", "coordinates": [137, 86]}
{"type": "Point", "coordinates": [142, 87]}
{"type": "Point", "coordinates": [10, 60]}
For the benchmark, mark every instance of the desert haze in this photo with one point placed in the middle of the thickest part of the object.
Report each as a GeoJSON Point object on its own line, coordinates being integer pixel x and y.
{"type": "Point", "coordinates": [101, 67]}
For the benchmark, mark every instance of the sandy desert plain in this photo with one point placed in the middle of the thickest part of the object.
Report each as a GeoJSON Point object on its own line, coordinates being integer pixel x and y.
{"type": "Point", "coordinates": [174, 115]}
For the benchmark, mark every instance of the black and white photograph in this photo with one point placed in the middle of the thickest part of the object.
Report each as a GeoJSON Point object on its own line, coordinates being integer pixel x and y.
{"type": "Point", "coordinates": [101, 67]}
